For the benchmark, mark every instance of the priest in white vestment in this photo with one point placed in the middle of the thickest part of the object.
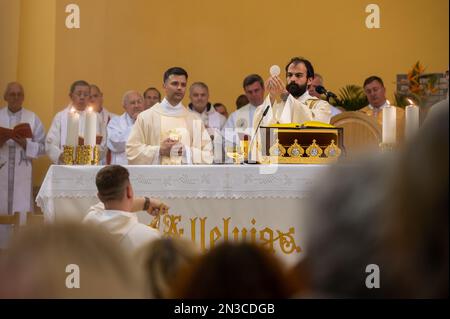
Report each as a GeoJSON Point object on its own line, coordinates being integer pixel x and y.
{"type": "Point", "coordinates": [22, 138]}
{"type": "Point", "coordinates": [57, 135]}
{"type": "Point", "coordinates": [115, 213]}
{"type": "Point", "coordinates": [212, 120]}
{"type": "Point", "coordinates": [96, 101]}
{"type": "Point", "coordinates": [240, 122]}
{"type": "Point", "coordinates": [292, 103]}
{"type": "Point", "coordinates": [119, 127]}
{"type": "Point", "coordinates": [168, 133]}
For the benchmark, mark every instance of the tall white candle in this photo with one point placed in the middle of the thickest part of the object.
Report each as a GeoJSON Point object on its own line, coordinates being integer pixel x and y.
{"type": "Point", "coordinates": [196, 141]}
{"type": "Point", "coordinates": [73, 121]}
{"type": "Point", "coordinates": [389, 124]}
{"type": "Point", "coordinates": [412, 120]}
{"type": "Point", "coordinates": [90, 127]}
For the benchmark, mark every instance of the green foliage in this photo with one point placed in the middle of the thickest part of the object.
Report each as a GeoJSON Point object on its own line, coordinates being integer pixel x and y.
{"type": "Point", "coordinates": [351, 98]}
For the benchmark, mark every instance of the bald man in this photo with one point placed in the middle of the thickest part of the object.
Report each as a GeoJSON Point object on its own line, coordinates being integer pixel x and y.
{"type": "Point", "coordinates": [18, 148]}
{"type": "Point", "coordinates": [119, 127]}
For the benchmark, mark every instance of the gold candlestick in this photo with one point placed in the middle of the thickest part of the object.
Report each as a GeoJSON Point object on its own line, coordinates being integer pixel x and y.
{"type": "Point", "coordinates": [84, 155]}
{"type": "Point", "coordinates": [96, 158]}
{"type": "Point", "coordinates": [68, 154]}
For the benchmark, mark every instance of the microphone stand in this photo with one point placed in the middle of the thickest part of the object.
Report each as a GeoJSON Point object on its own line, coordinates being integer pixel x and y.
{"type": "Point", "coordinates": [250, 148]}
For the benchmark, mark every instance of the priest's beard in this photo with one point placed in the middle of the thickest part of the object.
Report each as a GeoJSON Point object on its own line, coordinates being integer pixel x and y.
{"type": "Point", "coordinates": [296, 90]}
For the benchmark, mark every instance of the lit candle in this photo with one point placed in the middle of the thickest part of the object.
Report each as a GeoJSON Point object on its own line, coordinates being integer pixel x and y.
{"type": "Point", "coordinates": [73, 120]}
{"type": "Point", "coordinates": [90, 127]}
{"type": "Point", "coordinates": [389, 124]}
{"type": "Point", "coordinates": [412, 119]}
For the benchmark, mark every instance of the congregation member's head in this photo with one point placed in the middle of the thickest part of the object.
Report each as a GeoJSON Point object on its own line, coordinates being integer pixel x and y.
{"type": "Point", "coordinates": [375, 91]}
{"type": "Point", "coordinates": [80, 94]}
{"type": "Point", "coordinates": [416, 241]}
{"type": "Point", "coordinates": [175, 82]}
{"type": "Point", "coordinates": [254, 89]}
{"type": "Point", "coordinates": [114, 188]}
{"type": "Point", "coordinates": [235, 271]}
{"type": "Point", "coordinates": [221, 109]}
{"type": "Point", "coordinates": [65, 260]}
{"type": "Point", "coordinates": [151, 97]}
{"type": "Point", "coordinates": [96, 98]}
{"type": "Point", "coordinates": [163, 261]}
{"type": "Point", "coordinates": [342, 229]}
{"type": "Point", "coordinates": [133, 103]}
{"type": "Point", "coordinates": [199, 96]}
{"type": "Point", "coordinates": [242, 100]}
{"type": "Point", "coordinates": [14, 96]}
{"type": "Point", "coordinates": [299, 75]}
{"type": "Point", "coordinates": [317, 81]}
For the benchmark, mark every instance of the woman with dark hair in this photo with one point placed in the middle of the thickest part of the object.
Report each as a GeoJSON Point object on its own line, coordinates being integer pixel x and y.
{"type": "Point", "coordinates": [236, 271]}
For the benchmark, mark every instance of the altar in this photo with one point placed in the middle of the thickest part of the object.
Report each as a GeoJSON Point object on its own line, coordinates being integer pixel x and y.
{"type": "Point", "coordinates": [207, 203]}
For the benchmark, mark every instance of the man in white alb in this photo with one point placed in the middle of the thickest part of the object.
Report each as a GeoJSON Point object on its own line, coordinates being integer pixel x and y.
{"type": "Point", "coordinates": [22, 138]}
{"type": "Point", "coordinates": [56, 136]}
{"type": "Point", "coordinates": [119, 127]}
{"type": "Point", "coordinates": [240, 121]}
{"type": "Point", "coordinates": [168, 133]}
{"type": "Point", "coordinates": [212, 120]}
{"type": "Point", "coordinates": [292, 103]}
{"type": "Point", "coordinates": [116, 214]}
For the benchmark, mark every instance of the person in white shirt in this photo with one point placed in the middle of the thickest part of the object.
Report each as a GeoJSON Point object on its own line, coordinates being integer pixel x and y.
{"type": "Point", "coordinates": [56, 137]}
{"type": "Point", "coordinates": [116, 194]}
{"type": "Point", "coordinates": [199, 96]}
{"type": "Point", "coordinates": [96, 101]}
{"type": "Point", "coordinates": [240, 121]}
{"type": "Point", "coordinates": [213, 120]}
{"type": "Point", "coordinates": [168, 133]}
{"type": "Point", "coordinates": [318, 81]}
{"type": "Point", "coordinates": [18, 147]}
{"type": "Point", "coordinates": [119, 127]}
{"type": "Point", "coordinates": [291, 102]}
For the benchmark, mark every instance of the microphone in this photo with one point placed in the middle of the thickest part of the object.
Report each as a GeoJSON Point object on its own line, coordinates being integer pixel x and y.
{"type": "Point", "coordinates": [321, 90]}
{"type": "Point", "coordinates": [250, 147]}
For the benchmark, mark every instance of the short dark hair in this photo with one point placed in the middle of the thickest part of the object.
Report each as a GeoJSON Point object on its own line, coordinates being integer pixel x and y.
{"type": "Point", "coordinates": [78, 83]}
{"type": "Point", "coordinates": [152, 89]}
{"type": "Point", "coordinates": [372, 78]}
{"type": "Point", "coordinates": [174, 71]}
{"type": "Point", "coordinates": [309, 68]}
{"type": "Point", "coordinates": [241, 101]}
{"type": "Point", "coordinates": [252, 78]}
{"type": "Point", "coordinates": [111, 181]}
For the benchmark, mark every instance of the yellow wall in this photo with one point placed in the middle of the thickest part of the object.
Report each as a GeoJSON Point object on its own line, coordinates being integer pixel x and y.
{"type": "Point", "coordinates": [9, 39]}
{"type": "Point", "coordinates": [127, 44]}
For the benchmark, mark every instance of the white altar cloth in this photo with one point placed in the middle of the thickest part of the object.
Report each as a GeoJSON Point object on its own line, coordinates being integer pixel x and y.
{"type": "Point", "coordinates": [208, 203]}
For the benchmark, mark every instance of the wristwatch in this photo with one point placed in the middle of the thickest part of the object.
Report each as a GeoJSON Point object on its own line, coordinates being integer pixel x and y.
{"type": "Point", "coordinates": [146, 203]}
